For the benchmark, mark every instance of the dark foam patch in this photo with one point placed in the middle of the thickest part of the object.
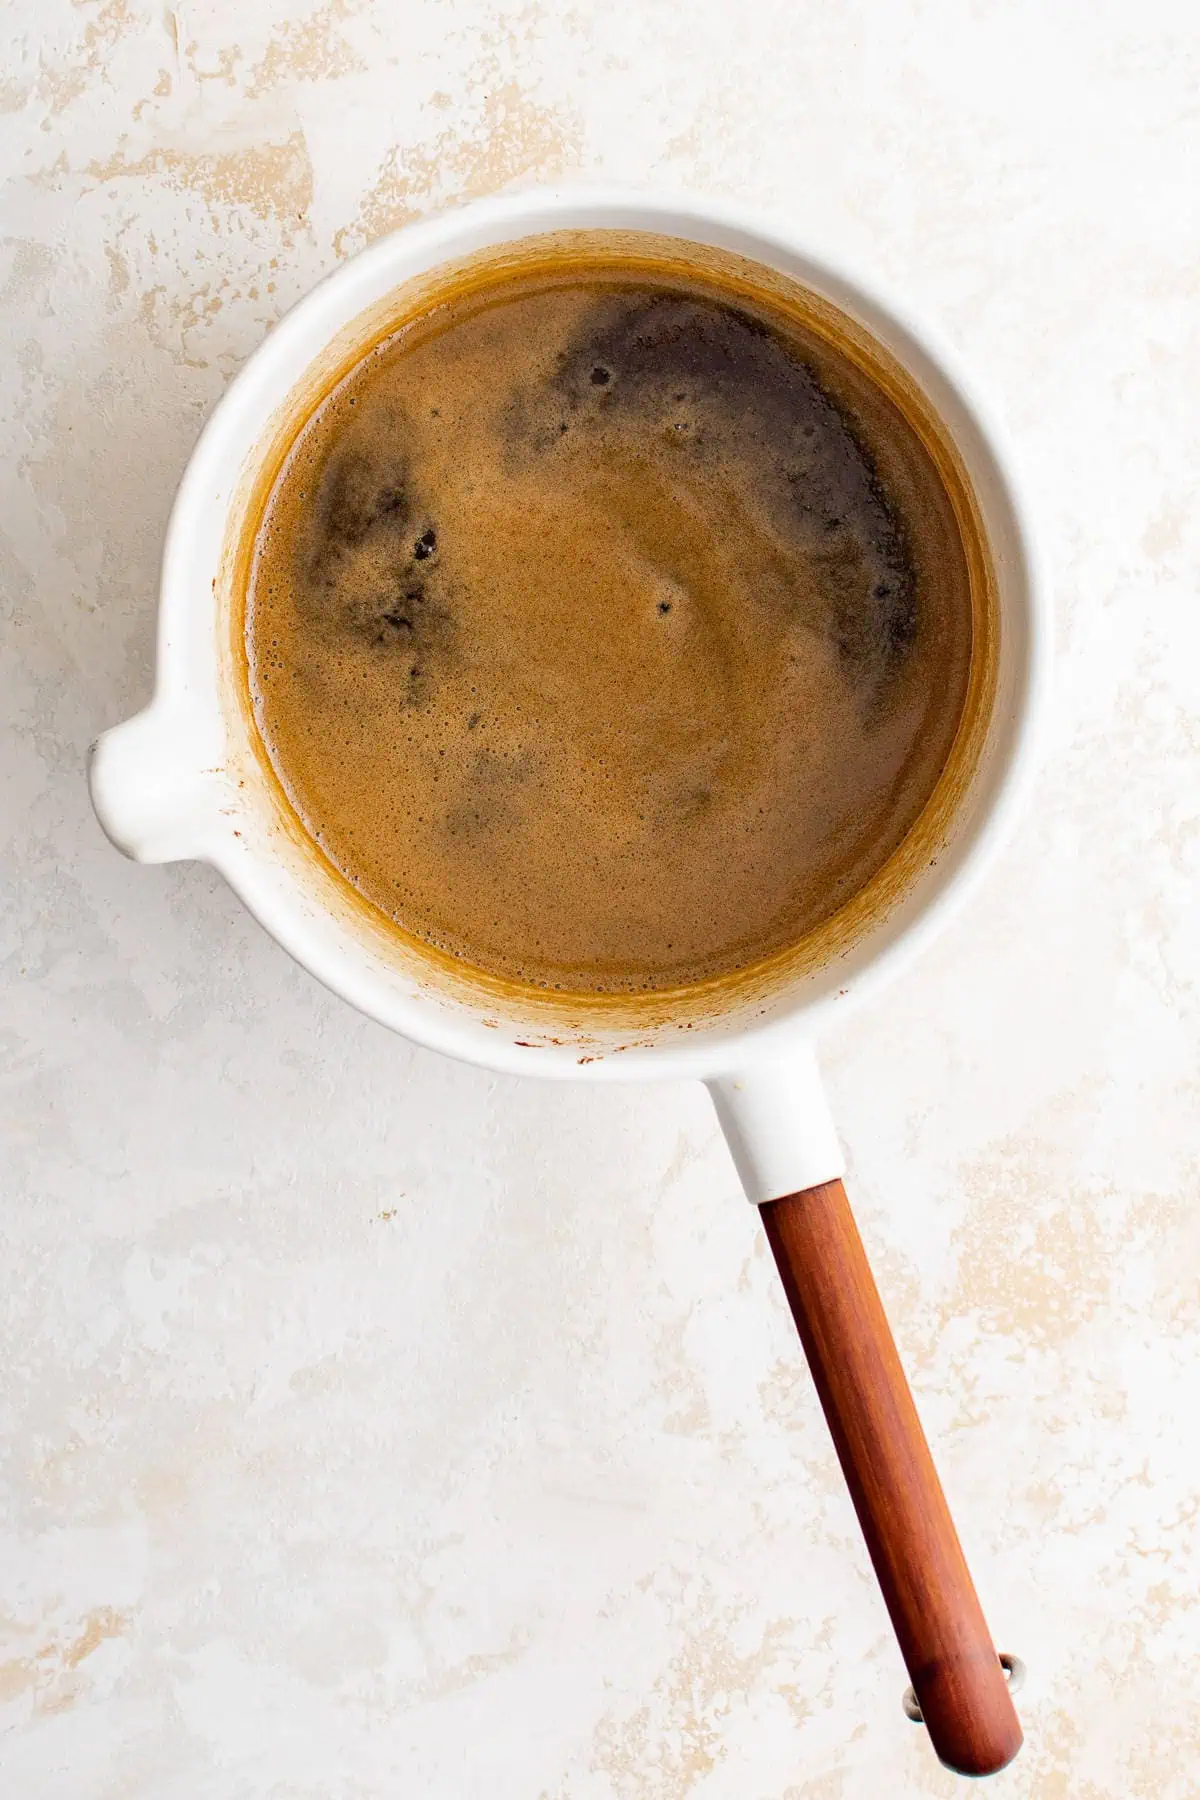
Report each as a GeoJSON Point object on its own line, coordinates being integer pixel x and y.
{"type": "Point", "coordinates": [728, 390]}
{"type": "Point", "coordinates": [366, 565]}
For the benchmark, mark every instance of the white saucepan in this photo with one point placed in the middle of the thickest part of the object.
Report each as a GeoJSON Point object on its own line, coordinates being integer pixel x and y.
{"type": "Point", "coordinates": [188, 778]}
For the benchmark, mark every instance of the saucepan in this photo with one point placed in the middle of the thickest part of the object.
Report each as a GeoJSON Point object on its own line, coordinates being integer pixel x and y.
{"type": "Point", "coordinates": [187, 777]}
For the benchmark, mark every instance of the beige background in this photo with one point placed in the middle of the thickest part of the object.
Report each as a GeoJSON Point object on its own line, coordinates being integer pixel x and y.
{"type": "Point", "coordinates": [372, 1427]}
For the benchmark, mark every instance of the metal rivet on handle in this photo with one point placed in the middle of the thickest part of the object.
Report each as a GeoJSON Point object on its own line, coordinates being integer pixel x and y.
{"type": "Point", "coordinates": [1013, 1667]}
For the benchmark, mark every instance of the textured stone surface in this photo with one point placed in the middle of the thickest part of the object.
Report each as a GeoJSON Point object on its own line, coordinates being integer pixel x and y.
{"type": "Point", "coordinates": [375, 1427]}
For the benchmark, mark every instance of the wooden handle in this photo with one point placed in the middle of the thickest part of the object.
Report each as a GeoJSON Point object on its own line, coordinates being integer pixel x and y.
{"type": "Point", "coordinates": [952, 1663]}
